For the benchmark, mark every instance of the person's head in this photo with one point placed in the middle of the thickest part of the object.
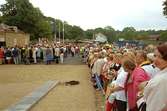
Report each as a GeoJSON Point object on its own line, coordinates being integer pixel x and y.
{"type": "Point", "coordinates": [161, 56]}
{"type": "Point", "coordinates": [117, 58]}
{"type": "Point", "coordinates": [141, 56]}
{"type": "Point", "coordinates": [150, 57]}
{"type": "Point", "coordinates": [96, 54]}
{"type": "Point", "coordinates": [103, 54]}
{"type": "Point", "coordinates": [110, 57]}
{"type": "Point", "coordinates": [129, 65]}
{"type": "Point", "coordinates": [129, 55]}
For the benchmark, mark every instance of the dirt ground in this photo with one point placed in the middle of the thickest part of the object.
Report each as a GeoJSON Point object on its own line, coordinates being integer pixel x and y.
{"type": "Point", "coordinates": [17, 81]}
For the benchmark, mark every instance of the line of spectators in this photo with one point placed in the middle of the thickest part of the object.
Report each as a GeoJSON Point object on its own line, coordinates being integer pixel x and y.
{"type": "Point", "coordinates": [37, 53]}
{"type": "Point", "coordinates": [131, 79]}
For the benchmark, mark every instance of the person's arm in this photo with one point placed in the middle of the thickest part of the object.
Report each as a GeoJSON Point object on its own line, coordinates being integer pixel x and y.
{"type": "Point", "coordinates": [142, 85]}
{"type": "Point", "coordinates": [116, 88]}
{"type": "Point", "coordinates": [111, 89]}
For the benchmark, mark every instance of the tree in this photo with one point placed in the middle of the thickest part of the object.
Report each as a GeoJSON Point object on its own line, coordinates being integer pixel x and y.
{"type": "Point", "coordinates": [165, 8]}
{"type": "Point", "coordinates": [71, 32]}
{"type": "Point", "coordinates": [52, 22]}
{"type": "Point", "coordinates": [141, 35]}
{"type": "Point", "coordinates": [76, 33]}
{"type": "Point", "coordinates": [9, 9]}
{"type": "Point", "coordinates": [110, 33]}
{"type": "Point", "coordinates": [163, 36]}
{"type": "Point", "coordinates": [129, 33]}
{"type": "Point", "coordinates": [89, 34]}
{"type": "Point", "coordinates": [99, 30]}
{"type": "Point", "coordinates": [1, 19]}
{"type": "Point", "coordinates": [22, 14]}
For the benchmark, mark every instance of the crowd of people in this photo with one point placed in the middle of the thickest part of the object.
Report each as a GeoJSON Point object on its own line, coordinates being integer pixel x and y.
{"type": "Point", "coordinates": [131, 78]}
{"type": "Point", "coordinates": [37, 53]}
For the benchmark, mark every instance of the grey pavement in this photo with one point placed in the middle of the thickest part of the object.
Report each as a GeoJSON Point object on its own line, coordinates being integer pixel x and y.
{"type": "Point", "coordinates": [76, 60]}
{"type": "Point", "coordinates": [28, 101]}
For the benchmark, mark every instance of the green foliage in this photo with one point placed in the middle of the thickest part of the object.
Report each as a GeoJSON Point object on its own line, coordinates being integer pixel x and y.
{"type": "Point", "coordinates": [76, 33]}
{"type": "Point", "coordinates": [165, 8]}
{"type": "Point", "coordinates": [89, 34]}
{"type": "Point", "coordinates": [70, 32]}
{"type": "Point", "coordinates": [141, 35]}
{"type": "Point", "coordinates": [1, 19]}
{"type": "Point", "coordinates": [9, 9]}
{"type": "Point", "coordinates": [99, 30]}
{"type": "Point", "coordinates": [129, 33]}
{"type": "Point", "coordinates": [110, 33]}
{"type": "Point", "coordinates": [163, 36]}
{"type": "Point", "coordinates": [22, 14]}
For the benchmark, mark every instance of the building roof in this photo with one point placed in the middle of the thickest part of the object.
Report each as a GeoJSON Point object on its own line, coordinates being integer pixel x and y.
{"type": "Point", "coordinates": [100, 37]}
{"type": "Point", "coordinates": [154, 37]}
{"type": "Point", "coordinates": [7, 28]}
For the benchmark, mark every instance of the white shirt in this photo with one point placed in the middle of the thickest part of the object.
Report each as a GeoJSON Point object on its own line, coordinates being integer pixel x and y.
{"type": "Point", "coordinates": [155, 93]}
{"type": "Point", "coordinates": [57, 51]}
{"type": "Point", "coordinates": [150, 70]}
{"type": "Point", "coordinates": [120, 81]}
{"type": "Point", "coordinates": [73, 49]}
{"type": "Point", "coordinates": [34, 52]}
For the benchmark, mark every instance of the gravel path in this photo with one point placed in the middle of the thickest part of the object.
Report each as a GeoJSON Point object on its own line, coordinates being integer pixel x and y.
{"type": "Point", "coordinates": [17, 81]}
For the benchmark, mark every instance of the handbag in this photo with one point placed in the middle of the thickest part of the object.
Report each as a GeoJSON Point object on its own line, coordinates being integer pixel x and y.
{"type": "Point", "coordinates": [142, 106]}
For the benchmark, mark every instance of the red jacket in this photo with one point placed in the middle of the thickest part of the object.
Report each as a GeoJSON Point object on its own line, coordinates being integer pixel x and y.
{"type": "Point", "coordinates": [1, 53]}
{"type": "Point", "coordinates": [138, 76]}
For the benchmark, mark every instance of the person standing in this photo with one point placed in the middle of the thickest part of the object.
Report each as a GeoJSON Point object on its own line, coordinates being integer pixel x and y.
{"type": "Point", "coordinates": [72, 51]}
{"type": "Point", "coordinates": [27, 56]}
{"type": "Point", "coordinates": [44, 53]}
{"type": "Point", "coordinates": [19, 52]}
{"type": "Point", "coordinates": [23, 55]}
{"type": "Point", "coordinates": [57, 54]}
{"type": "Point", "coordinates": [48, 55]}
{"type": "Point", "coordinates": [15, 54]}
{"type": "Point", "coordinates": [61, 55]}
{"type": "Point", "coordinates": [1, 56]}
{"type": "Point", "coordinates": [34, 54]}
{"type": "Point", "coordinates": [38, 54]}
{"type": "Point", "coordinates": [8, 55]}
{"type": "Point", "coordinates": [156, 89]}
{"type": "Point", "coordinates": [136, 75]}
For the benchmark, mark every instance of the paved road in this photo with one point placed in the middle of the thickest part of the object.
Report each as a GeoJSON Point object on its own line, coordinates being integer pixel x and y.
{"type": "Point", "coordinates": [70, 98]}
{"type": "Point", "coordinates": [76, 60]}
{"type": "Point", "coordinates": [23, 79]}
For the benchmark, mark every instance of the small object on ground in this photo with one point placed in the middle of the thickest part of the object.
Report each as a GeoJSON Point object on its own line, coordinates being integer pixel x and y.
{"type": "Point", "coordinates": [72, 82]}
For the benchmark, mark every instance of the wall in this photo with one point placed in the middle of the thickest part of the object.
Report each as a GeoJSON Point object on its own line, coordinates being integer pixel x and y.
{"type": "Point", "coordinates": [12, 38]}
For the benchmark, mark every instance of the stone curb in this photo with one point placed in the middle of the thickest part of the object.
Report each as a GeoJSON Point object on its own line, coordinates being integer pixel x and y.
{"type": "Point", "coordinates": [30, 100]}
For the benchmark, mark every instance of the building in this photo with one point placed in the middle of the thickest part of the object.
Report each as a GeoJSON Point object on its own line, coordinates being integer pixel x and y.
{"type": "Point", "coordinates": [11, 36]}
{"type": "Point", "coordinates": [100, 38]}
{"type": "Point", "coordinates": [154, 37]}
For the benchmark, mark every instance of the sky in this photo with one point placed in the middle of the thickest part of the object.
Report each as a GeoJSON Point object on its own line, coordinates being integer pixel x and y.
{"type": "Point", "coordinates": [90, 14]}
